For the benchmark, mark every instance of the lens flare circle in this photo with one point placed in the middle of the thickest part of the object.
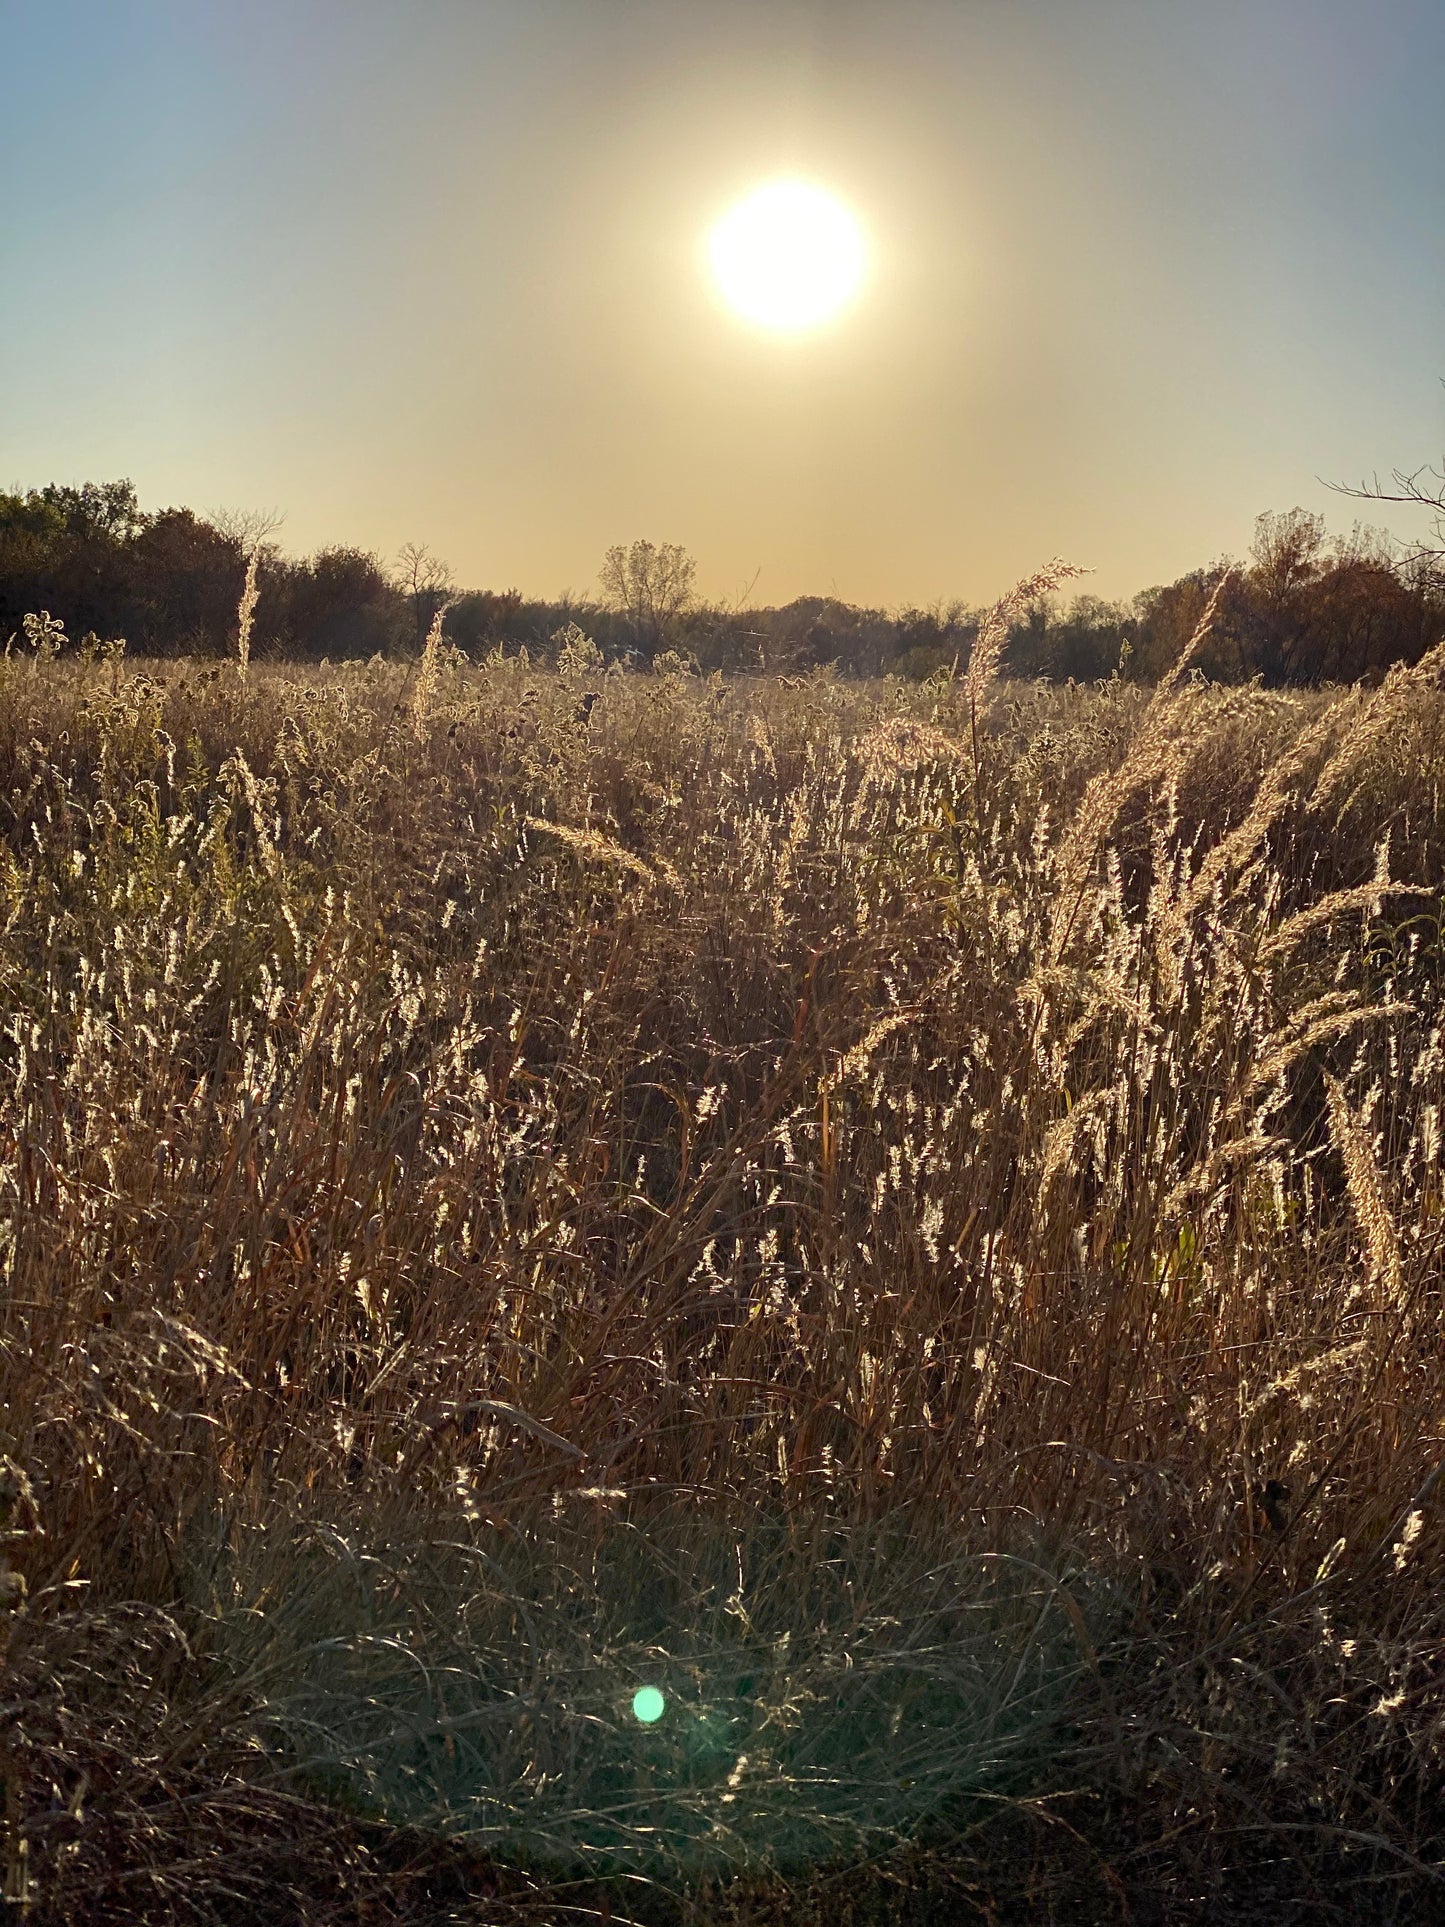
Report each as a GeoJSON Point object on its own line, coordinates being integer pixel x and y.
{"type": "Point", "coordinates": [790, 256]}
{"type": "Point", "coordinates": [647, 1705]}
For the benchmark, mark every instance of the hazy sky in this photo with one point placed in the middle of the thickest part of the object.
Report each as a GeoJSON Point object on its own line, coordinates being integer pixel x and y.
{"type": "Point", "coordinates": [432, 270]}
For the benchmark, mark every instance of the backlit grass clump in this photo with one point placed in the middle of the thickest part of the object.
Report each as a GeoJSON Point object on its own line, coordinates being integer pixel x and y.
{"type": "Point", "coordinates": [906, 1219]}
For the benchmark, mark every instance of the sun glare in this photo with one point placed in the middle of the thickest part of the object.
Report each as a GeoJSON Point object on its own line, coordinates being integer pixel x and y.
{"type": "Point", "coordinates": [788, 257]}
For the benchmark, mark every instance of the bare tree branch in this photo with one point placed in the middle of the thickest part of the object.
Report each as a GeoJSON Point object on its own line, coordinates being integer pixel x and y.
{"type": "Point", "coordinates": [427, 580]}
{"type": "Point", "coordinates": [1407, 488]}
{"type": "Point", "coordinates": [247, 528]}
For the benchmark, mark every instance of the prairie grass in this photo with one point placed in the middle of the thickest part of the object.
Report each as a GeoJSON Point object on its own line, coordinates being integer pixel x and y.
{"type": "Point", "coordinates": [908, 1218]}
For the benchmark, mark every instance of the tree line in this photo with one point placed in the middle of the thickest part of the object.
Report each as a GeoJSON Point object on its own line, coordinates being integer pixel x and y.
{"type": "Point", "coordinates": [1303, 608]}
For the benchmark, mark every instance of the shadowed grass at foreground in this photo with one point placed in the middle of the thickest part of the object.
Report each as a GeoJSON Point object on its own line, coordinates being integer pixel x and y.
{"type": "Point", "coordinates": [823, 1693]}
{"type": "Point", "coordinates": [922, 1242]}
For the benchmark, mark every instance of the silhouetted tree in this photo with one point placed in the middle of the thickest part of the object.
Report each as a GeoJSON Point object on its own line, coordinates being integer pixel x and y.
{"type": "Point", "coordinates": [1165, 617]}
{"type": "Point", "coordinates": [184, 580]}
{"type": "Point", "coordinates": [483, 619]}
{"type": "Point", "coordinates": [427, 581]}
{"type": "Point", "coordinates": [341, 603]}
{"type": "Point", "coordinates": [651, 585]}
{"type": "Point", "coordinates": [1273, 621]}
{"type": "Point", "coordinates": [65, 549]}
{"type": "Point", "coordinates": [104, 511]}
{"type": "Point", "coordinates": [1083, 643]}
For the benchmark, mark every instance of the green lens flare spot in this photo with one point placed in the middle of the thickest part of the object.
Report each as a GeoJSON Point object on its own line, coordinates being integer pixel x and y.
{"type": "Point", "coordinates": [647, 1705]}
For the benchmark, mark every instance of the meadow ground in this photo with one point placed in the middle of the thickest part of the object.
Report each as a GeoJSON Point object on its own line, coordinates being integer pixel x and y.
{"type": "Point", "coordinates": [907, 1218]}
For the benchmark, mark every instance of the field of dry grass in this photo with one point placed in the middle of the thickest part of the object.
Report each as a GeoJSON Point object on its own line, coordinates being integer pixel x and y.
{"type": "Point", "coordinates": [908, 1218]}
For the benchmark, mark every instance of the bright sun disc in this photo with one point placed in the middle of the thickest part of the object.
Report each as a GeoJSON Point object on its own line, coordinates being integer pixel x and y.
{"type": "Point", "coordinates": [789, 256]}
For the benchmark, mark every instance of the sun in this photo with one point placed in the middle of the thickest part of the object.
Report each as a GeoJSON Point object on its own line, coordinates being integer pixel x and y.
{"type": "Point", "coordinates": [790, 256]}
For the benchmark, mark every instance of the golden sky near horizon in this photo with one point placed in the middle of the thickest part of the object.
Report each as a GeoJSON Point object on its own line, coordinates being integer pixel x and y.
{"type": "Point", "coordinates": [1130, 275]}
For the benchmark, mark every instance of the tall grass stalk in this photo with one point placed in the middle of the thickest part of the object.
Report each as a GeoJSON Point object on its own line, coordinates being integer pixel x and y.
{"type": "Point", "coordinates": [246, 613]}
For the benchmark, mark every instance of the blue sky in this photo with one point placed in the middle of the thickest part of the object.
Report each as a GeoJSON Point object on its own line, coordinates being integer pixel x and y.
{"type": "Point", "coordinates": [432, 272]}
